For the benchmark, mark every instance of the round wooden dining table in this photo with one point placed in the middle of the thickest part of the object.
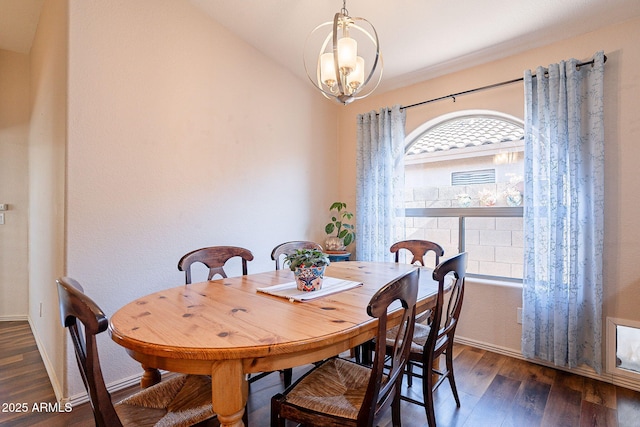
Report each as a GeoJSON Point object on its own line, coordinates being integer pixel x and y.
{"type": "Point", "coordinates": [227, 329]}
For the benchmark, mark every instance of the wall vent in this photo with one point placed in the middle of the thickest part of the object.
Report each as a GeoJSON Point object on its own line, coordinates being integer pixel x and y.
{"type": "Point", "coordinates": [483, 176]}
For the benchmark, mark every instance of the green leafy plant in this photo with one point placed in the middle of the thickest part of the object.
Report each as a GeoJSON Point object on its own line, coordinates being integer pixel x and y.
{"type": "Point", "coordinates": [306, 258]}
{"type": "Point", "coordinates": [342, 229]}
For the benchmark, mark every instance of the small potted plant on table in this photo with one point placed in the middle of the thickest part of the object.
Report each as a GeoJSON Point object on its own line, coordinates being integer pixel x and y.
{"type": "Point", "coordinates": [308, 267]}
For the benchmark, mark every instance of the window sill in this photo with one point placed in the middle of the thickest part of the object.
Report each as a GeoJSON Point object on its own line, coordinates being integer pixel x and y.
{"type": "Point", "coordinates": [493, 282]}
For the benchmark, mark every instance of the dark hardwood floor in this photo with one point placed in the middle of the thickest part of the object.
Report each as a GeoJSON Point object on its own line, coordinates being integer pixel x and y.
{"type": "Point", "coordinates": [494, 391]}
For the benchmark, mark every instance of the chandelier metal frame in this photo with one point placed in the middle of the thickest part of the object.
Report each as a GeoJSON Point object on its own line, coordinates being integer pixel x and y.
{"type": "Point", "coordinates": [342, 90]}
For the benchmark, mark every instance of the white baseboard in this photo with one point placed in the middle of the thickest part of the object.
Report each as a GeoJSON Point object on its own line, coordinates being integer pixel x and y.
{"type": "Point", "coordinates": [584, 371]}
{"type": "Point", "coordinates": [80, 398]}
{"type": "Point", "coordinates": [133, 380]}
{"type": "Point", "coordinates": [53, 378]}
{"type": "Point", "coordinates": [14, 318]}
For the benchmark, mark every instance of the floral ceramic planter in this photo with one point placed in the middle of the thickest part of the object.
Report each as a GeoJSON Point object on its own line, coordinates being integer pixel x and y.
{"type": "Point", "coordinates": [309, 279]}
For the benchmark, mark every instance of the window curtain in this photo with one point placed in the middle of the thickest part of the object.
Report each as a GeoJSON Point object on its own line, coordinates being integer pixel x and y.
{"type": "Point", "coordinates": [379, 182]}
{"type": "Point", "coordinates": [563, 214]}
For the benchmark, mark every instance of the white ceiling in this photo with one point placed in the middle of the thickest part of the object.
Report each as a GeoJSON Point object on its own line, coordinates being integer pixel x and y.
{"type": "Point", "coordinates": [419, 38]}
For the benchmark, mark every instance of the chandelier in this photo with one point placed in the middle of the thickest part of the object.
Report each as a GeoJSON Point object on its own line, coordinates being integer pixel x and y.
{"type": "Point", "coordinates": [348, 58]}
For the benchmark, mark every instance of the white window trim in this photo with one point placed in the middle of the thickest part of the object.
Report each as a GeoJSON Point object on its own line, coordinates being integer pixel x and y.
{"type": "Point", "coordinates": [612, 345]}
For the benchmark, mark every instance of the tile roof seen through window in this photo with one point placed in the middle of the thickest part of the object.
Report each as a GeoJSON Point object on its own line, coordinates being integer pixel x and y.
{"type": "Point", "coordinates": [466, 132]}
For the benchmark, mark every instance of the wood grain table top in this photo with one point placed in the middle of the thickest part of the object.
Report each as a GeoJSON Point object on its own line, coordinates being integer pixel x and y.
{"type": "Point", "coordinates": [228, 319]}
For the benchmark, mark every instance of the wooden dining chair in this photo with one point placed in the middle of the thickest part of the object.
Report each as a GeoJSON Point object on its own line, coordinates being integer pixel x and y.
{"type": "Point", "coordinates": [179, 401]}
{"type": "Point", "coordinates": [436, 339]}
{"type": "Point", "coordinates": [343, 392]}
{"type": "Point", "coordinates": [284, 249]}
{"type": "Point", "coordinates": [214, 257]}
{"type": "Point", "coordinates": [418, 249]}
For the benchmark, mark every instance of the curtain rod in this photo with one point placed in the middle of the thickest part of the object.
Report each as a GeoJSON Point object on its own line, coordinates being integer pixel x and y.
{"type": "Point", "coordinates": [478, 89]}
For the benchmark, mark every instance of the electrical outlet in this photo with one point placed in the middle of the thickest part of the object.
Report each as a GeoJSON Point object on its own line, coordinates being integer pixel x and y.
{"type": "Point", "coordinates": [519, 315]}
{"type": "Point", "coordinates": [3, 206]}
{"type": "Point", "coordinates": [1, 218]}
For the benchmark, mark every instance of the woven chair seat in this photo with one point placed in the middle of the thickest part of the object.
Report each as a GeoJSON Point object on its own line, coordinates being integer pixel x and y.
{"type": "Point", "coordinates": [337, 387]}
{"type": "Point", "coordinates": [420, 335]}
{"type": "Point", "coordinates": [180, 401]}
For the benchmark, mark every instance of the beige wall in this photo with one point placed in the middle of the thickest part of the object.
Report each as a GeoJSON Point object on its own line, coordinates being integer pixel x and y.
{"type": "Point", "coordinates": [47, 142]}
{"type": "Point", "coordinates": [182, 136]}
{"type": "Point", "coordinates": [14, 131]}
{"type": "Point", "coordinates": [490, 311]}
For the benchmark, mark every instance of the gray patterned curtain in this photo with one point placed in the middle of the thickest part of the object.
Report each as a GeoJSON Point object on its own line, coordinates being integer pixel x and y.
{"type": "Point", "coordinates": [379, 182]}
{"type": "Point", "coordinates": [563, 214]}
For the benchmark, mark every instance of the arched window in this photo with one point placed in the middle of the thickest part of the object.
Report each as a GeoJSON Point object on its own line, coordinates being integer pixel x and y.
{"type": "Point", "coordinates": [463, 186]}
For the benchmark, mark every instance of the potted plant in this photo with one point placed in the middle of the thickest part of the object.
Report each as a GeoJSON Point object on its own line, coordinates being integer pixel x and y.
{"type": "Point", "coordinates": [487, 198]}
{"type": "Point", "coordinates": [513, 193]}
{"type": "Point", "coordinates": [308, 267]}
{"type": "Point", "coordinates": [344, 232]}
{"type": "Point", "coordinates": [464, 200]}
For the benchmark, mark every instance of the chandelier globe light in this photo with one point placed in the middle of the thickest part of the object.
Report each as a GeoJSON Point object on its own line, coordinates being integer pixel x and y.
{"type": "Point", "coordinates": [348, 64]}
